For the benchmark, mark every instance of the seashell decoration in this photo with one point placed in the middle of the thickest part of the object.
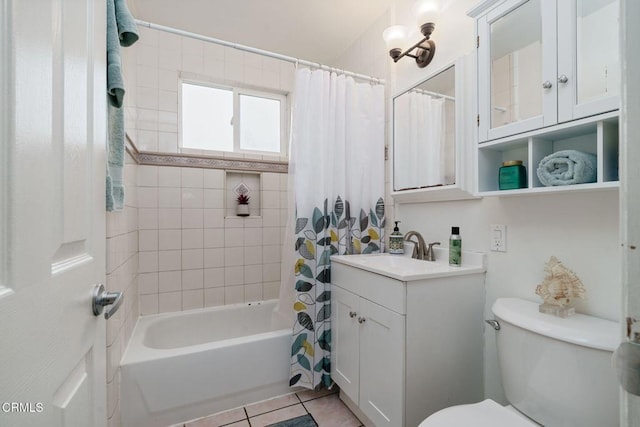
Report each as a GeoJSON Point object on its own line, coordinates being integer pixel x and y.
{"type": "Point", "coordinates": [560, 285]}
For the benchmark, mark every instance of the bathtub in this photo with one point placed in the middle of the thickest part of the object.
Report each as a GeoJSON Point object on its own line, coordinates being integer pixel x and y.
{"type": "Point", "coordinates": [186, 365]}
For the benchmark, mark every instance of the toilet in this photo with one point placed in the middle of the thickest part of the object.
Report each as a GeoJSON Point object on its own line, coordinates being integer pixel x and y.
{"type": "Point", "coordinates": [555, 372]}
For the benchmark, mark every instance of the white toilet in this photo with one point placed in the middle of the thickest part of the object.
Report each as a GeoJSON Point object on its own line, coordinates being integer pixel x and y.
{"type": "Point", "coordinates": [555, 372]}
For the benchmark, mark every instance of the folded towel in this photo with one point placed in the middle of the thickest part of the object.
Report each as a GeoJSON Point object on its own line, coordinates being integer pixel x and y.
{"type": "Point", "coordinates": [567, 167]}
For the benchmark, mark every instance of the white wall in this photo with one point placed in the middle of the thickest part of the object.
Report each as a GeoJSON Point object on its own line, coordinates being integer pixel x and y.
{"type": "Point", "coordinates": [581, 229]}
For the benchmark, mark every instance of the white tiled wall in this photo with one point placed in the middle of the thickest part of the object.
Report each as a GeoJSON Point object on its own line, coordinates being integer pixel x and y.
{"type": "Point", "coordinates": [162, 59]}
{"type": "Point", "coordinates": [122, 275]}
{"type": "Point", "coordinates": [192, 255]}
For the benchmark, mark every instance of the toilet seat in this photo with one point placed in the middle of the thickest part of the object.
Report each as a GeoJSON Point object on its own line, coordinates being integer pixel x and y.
{"type": "Point", "coordinates": [483, 414]}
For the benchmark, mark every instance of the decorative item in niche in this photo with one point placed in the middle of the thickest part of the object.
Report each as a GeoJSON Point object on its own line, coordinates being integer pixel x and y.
{"type": "Point", "coordinates": [559, 288]}
{"type": "Point", "coordinates": [242, 191]}
{"type": "Point", "coordinates": [243, 205]}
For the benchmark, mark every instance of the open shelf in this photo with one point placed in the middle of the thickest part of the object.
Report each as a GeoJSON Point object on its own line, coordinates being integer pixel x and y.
{"type": "Point", "coordinates": [597, 135]}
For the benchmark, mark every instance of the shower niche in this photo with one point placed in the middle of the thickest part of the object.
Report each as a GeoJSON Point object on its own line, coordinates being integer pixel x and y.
{"type": "Point", "coordinates": [242, 183]}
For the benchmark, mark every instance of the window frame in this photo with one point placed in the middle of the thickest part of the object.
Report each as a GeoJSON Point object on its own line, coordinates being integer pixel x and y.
{"type": "Point", "coordinates": [282, 97]}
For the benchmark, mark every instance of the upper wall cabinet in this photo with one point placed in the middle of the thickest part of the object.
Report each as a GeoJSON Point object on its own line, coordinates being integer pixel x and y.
{"type": "Point", "coordinates": [544, 62]}
{"type": "Point", "coordinates": [433, 136]}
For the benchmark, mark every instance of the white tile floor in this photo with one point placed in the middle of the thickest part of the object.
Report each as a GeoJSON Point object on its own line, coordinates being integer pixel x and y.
{"type": "Point", "coordinates": [325, 407]}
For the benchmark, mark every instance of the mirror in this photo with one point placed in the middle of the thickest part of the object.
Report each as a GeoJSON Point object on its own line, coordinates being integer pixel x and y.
{"type": "Point", "coordinates": [424, 133]}
{"type": "Point", "coordinates": [598, 64]}
{"type": "Point", "coordinates": [516, 65]}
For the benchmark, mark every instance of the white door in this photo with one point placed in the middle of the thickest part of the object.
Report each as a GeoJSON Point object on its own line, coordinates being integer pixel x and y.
{"type": "Point", "coordinates": [52, 220]}
{"type": "Point", "coordinates": [382, 351]}
{"type": "Point", "coordinates": [630, 184]}
{"type": "Point", "coordinates": [345, 347]}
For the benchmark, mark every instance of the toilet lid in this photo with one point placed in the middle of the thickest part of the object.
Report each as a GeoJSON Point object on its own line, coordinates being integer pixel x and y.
{"type": "Point", "coordinates": [483, 414]}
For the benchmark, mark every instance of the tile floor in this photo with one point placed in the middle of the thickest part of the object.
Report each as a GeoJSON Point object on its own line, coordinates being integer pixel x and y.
{"type": "Point", "coordinates": [325, 407]}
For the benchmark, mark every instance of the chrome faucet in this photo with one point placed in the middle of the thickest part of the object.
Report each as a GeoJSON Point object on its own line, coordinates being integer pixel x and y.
{"type": "Point", "coordinates": [430, 254]}
{"type": "Point", "coordinates": [418, 247]}
{"type": "Point", "coordinates": [421, 250]}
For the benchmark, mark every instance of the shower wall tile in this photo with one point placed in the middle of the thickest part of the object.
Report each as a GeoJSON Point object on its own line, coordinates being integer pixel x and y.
{"type": "Point", "coordinates": [148, 283]}
{"type": "Point", "coordinates": [122, 244]}
{"type": "Point", "coordinates": [214, 277]}
{"type": "Point", "coordinates": [192, 299]}
{"type": "Point", "coordinates": [169, 281]}
{"type": "Point", "coordinates": [233, 294]}
{"type": "Point", "coordinates": [213, 297]}
{"type": "Point", "coordinates": [194, 251]}
{"type": "Point", "coordinates": [170, 239]}
{"type": "Point", "coordinates": [169, 260]}
{"type": "Point", "coordinates": [192, 279]}
{"type": "Point", "coordinates": [149, 304]}
{"type": "Point", "coordinates": [170, 301]}
{"type": "Point", "coordinates": [192, 239]}
{"type": "Point", "coordinates": [213, 178]}
{"type": "Point", "coordinates": [169, 176]}
{"type": "Point", "coordinates": [147, 176]}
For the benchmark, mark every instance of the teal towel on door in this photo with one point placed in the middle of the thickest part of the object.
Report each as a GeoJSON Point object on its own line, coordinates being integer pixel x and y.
{"type": "Point", "coordinates": [127, 29]}
{"type": "Point", "coordinates": [115, 159]}
{"type": "Point", "coordinates": [121, 31]}
{"type": "Point", "coordinates": [567, 167]}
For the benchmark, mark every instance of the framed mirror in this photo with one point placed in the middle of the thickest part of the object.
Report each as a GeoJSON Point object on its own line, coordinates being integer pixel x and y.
{"type": "Point", "coordinates": [430, 130]}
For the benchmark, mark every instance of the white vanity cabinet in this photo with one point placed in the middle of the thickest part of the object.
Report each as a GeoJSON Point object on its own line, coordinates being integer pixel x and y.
{"type": "Point", "coordinates": [543, 62]}
{"type": "Point", "coordinates": [404, 349]}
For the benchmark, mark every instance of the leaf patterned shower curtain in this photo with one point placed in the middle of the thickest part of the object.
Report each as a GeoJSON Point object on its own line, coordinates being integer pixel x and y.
{"type": "Point", "coordinates": [337, 163]}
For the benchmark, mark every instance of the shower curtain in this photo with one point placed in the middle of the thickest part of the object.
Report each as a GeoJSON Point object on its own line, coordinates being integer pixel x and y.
{"type": "Point", "coordinates": [420, 144]}
{"type": "Point", "coordinates": [336, 169]}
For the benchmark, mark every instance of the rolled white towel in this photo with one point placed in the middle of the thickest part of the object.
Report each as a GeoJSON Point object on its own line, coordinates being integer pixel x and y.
{"type": "Point", "coordinates": [567, 167]}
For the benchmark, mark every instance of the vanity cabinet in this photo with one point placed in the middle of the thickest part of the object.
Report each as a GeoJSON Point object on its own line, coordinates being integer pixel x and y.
{"type": "Point", "coordinates": [402, 350]}
{"type": "Point", "coordinates": [544, 62]}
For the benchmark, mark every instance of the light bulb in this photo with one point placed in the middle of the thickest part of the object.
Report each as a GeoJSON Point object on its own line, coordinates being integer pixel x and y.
{"type": "Point", "coordinates": [425, 11]}
{"type": "Point", "coordinates": [395, 36]}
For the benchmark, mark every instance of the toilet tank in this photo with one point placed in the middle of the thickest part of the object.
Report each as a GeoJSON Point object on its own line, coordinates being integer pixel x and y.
{"type": "Point", "coordinates": [557, 371]}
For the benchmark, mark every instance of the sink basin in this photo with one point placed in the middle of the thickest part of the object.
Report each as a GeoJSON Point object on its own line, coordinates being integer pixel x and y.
{"type": "Point", "coordinates": [406, 269]}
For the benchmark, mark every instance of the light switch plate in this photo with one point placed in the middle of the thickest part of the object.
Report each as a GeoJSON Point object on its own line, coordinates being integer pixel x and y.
{"type": "Point", "coordinates": [498, 237]}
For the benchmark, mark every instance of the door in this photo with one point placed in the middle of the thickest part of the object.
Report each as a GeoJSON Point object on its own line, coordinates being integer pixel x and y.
{"type": "Point", "coordinates": [517, 68]}
{"type": "Point", "coordinates": [52, 220]}
{"type": "Point", "coordinates": [588, 61]}
{"type": "Point", "coordinates": [630, 184]}
{"type": "Point", "coordinates": [382, 349]}
{"type": "Point", "coordinates": [345, 351]}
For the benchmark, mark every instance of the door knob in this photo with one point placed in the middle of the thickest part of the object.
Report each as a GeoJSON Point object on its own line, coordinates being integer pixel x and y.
{"type": "Point", "coordinates": [563, 78]}
{"type": "Point", "coordinates": [547, 85]}
{"type": "Point", "coordinates": [361, 319]}
{"type": "Point", "coordinates": [102, 298]}
{"type": "Point", "coordinates": [352, 314]}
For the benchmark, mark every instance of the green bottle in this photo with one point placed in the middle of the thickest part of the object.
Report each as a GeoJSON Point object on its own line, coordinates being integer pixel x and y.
{"type": "Point", "coordinates": [455, 247]}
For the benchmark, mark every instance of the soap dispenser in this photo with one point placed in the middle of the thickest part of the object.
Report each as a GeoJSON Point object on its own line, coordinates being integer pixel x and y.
{"type": "Point", "coordinates": [396, 241]}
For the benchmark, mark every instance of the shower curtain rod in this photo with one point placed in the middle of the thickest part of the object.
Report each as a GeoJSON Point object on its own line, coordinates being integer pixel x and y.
{"type": "Point", "coordinates": [259, 51]}
{"type": "Point", "coordinates": [439, 95]}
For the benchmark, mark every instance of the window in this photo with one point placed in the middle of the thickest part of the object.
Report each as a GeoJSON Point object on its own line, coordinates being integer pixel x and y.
{"type": "Point", "coordinates": [232, 119]}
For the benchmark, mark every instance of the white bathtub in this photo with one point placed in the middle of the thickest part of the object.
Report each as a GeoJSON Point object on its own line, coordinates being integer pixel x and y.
{"type": "Point", "coordinates": [185, 365]}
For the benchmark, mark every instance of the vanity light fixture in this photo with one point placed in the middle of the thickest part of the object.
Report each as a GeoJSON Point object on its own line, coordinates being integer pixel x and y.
{"type": "Point", "coordinates": [426, 12]}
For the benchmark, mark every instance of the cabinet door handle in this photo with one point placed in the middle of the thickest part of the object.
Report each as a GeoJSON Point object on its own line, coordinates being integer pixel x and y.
{"type": "Point", "coordinates": [547, 85]}
{"type": "Point", "coordinates": [352, 314]}
{"type": "Point", "coordinates": [563, 78]}
{"type": "Point", "coordinates": [361, 319]}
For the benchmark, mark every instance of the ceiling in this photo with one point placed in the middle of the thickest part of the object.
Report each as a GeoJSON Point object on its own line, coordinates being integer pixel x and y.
{"type": "Point", "coordinates": [314, 30]}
